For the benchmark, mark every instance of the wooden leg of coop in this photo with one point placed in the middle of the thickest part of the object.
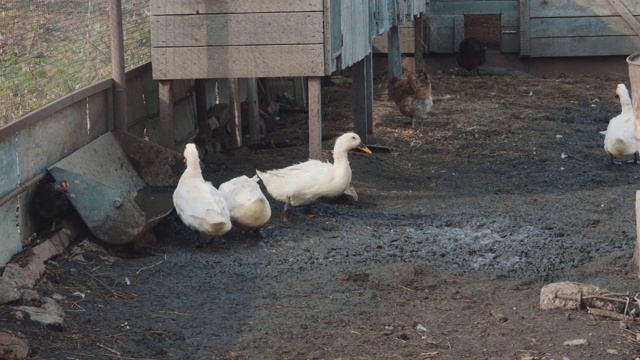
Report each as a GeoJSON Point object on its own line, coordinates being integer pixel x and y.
{"type": "Point", "coordinates": [165, 89]}
{"type": "Point", "coordinates": [254, 111]}
{"type": "Point", "coordinates": [201, 101]}
{"type": "Point", "coordinates": [368, 72]}
{"type": "Point", "coordinates": [234, 113]}
{"type": "Point", "coordinates": [301, 92]}
{"type": "Point", "coordinates": [635, 263]}
{"type": "Point", "coordinates": [393, 53]}
{"type": "Point", "coordinates": [315, 119]}
{"type": "Point", "coordinates": [363, 98]}
{"type": "Point", "coordinates": [418, 41]}
{"type": "Point", "coordinates": [634, 77]}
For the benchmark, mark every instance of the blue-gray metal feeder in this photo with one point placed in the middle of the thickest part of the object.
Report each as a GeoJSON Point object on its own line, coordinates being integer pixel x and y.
{"type": "Point", "coordinates": [120, 185]}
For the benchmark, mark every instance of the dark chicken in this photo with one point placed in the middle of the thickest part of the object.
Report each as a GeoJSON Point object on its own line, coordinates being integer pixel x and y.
{"type": "Point", "coordinates": [412, 93]}
{"type": "Point", "coordinates": [472, 54]}
{"type": "Point", "coordinates": [50, 204]}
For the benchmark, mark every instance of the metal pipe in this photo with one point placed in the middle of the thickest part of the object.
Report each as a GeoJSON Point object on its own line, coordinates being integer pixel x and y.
{"type": "Point", "coordinates": [21, 188]}
{"type": "Point", "coordinates": [117, 66]}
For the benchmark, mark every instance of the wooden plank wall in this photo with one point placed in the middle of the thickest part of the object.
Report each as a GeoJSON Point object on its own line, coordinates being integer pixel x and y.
{"type": "Point", "coordinates": [442, 22]}
{"type": "Point", "coordinates": [32, 143]}
{"type": "Point", "coordinates": [41, 138]}
{"type": "Point", "coordinates": [580, 28]}
{"type": "Point", "coordinates": [196, 39]}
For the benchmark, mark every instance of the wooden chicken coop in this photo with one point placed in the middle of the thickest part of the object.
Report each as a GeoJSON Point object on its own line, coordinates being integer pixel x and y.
{"type": "Point", "coordinates": [207, 39]}
{"type": "Point", "coordinates": [541, 28]}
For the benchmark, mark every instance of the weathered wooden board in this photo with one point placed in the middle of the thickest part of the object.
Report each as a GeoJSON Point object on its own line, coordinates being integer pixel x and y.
{"type": "Point", "coordinates": [580, 26]}
{"type": "Point", "coordinates": [576, 8]}
{"type": "Point", "coordinates": [507, 9]}
{"type": "Point", "coordinates": [585, 46]}
{"type": "Point", "coordinates": [525, 28]}
{"type": "Point", "coordinates": [380, 43]}
{"type": "Point", "coordinates": [9, 164]}
{"type": "Point", "coordinates": [441, 33]}
{"type": "Point", "coordinates": [238, 61]}
{"type": "Point", "coordinates": [142, 95]}
{"type": "Point", "coordinates": [237, 29]}
{"type": "Point", "coordinates": [11, 229]}
{"type": "Point", "coordinates": [510, 39]}
{"type": "Point", "coordinates": [60, 134]}
{"type": "Point", "coordinates": [167, 7]}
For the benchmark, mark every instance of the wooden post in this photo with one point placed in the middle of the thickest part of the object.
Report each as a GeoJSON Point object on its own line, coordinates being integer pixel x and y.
{"type": "Point", "coordinates": [525, 28]}
{"type": "Point", "coordinates": [301, 92]}
{"type": "Point", "coordinates": [117, 66]}
{"type": "Point", "coordinates": [368, 73]}
{"type": "Point", "coordinates": [165, 91]}
{"type": "Point", "coordinates": [234, 113]}
{"type": "Point", "coordinates": [254, 111]}
{"type": "Point", "coordinates": [201, 101]}
{"type": "Point", "coordinates": [315, 118]}
{"type": "Point", "coordinates": [394, 57]}
{"type": "Point", "coordinates": [635, 262]}
{"type": "Point", "coordinates": [362, 98]}
{"type": "Point", "coordinates": [418, 42]}
{"type": "Point", "coordinates": [634, 76]}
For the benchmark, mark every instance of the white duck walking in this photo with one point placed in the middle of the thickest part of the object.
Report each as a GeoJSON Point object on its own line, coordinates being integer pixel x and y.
{"type": "Point", "coordinates": [200, 205]}
{"type": "Point", "coordinates": [304, 183]}
{"type": "Point", "coordinates": [248, 206]}
{"type": "Point", "coordinates": [619, 138]}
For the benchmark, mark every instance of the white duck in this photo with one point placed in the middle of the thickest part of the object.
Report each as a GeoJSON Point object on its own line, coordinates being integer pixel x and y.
{"type": "Point", "coordinates": [200, 205]}
{"type": "Point", "coordinates": [304, 183]}
{"type": "Point", "coordinates": [248, 206]}
{"type": "Point", "coordinates": [619, 138]}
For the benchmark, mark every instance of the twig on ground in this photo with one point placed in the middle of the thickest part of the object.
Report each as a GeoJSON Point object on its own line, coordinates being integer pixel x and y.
{"type": "Point", "coordinates": [151, 266]}
{"type": "Point", "coordinates": [609, 314]}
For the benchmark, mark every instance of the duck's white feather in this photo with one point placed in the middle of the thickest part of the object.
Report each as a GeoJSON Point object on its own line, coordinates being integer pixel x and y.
{"type": "Point", "coordinates": [248, 206]}
{"type": "Point", "coordinates": [304, 183]}
{"type": "Point", "coordinates": [619, 138]}
{"type": "Point", "coordinates": [198, 203]}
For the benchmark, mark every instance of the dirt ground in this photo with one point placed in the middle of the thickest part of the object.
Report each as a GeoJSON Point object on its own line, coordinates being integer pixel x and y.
{"type": "Point", "coordinates": [503, 189]}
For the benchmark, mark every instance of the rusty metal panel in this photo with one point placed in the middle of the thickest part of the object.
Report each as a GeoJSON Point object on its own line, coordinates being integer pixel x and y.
{"type": "Point", "coordinates": [110, 213]}
{"type": "Point", "coordinates": [10, 234]}
{"type": "Point", "coordinates": [127, 191]}
{"type": "Point", "coordinates": [112, 169]}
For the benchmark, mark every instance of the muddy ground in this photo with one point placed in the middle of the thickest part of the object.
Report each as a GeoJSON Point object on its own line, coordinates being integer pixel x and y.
{"type": "Point", "coordinates": [503, 189]}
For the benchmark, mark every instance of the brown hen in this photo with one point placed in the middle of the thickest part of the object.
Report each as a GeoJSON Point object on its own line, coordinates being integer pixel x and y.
{"type": "Point", "coordinates": [412, 93]}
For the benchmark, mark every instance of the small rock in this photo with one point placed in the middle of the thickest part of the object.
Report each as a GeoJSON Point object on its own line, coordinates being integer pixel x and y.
{"type": "Point", "coordinates": [57, 296]}
{"type": "Point", "coordinates": [13, 345]}
{"type": "Point", "coordinates": [569, 295]}
{"type": "Point", "coordinates": [8, 291]}
{"type": "Point", "coordinates": [612, 351]}
{"type": "Point", "coordinates": [49, 314]}
{"type": "Point", "coordinates": [29, 295]}
{"type": "Point", "coordinates": [498, 316]}
{"type": "Point", "coordinates": [576, 342]}
{"type": "Point", "coordinates": [17, 316]}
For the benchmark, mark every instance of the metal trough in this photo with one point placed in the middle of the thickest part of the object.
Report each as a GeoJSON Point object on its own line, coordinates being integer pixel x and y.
{"type": "Point", "coordinates": [120, 185]}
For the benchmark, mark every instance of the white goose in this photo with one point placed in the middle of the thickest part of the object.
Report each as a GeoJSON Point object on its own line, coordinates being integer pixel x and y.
{"type": "Point", "coordinates": [619, 138]}
{"type": "Point", "coordinates": [248, 206]}
{"type": "Point", "coordinates": [304, 183]}
{"type": "Point", "coordinates": [200, 205]}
